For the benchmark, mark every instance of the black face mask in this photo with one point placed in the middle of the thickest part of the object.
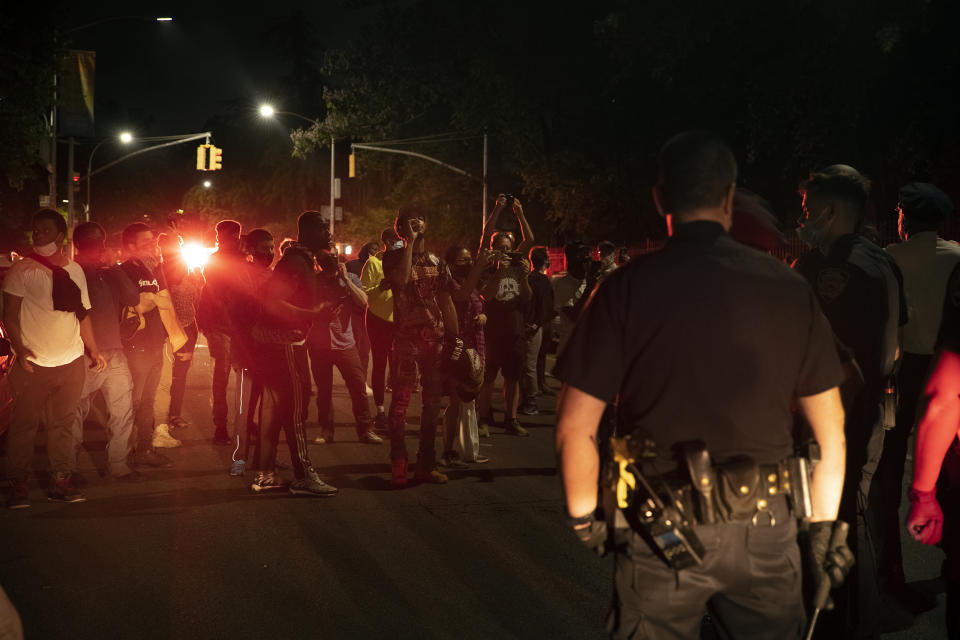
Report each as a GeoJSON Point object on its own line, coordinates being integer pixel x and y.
{"type": "Point", "coordinates": [578, 270]}
{"type": "Point", "coordinates": [263, 259]}
{"type": "Point", "coordinates": [461, 271]}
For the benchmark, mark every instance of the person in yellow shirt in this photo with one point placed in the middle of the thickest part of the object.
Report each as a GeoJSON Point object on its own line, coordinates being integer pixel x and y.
{"type": "Point", "coordinates": [379, 319]}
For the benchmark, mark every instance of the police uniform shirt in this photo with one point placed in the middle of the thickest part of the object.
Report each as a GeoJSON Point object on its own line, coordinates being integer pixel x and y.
{"type": "Point", "coordinates": [706, 339]}
{"type": "Point", "coordinates": [851, 284]}
{"type": "Point", "coordinates": [926, 262]}
{"type": "Point", "coordinates": [948, 337]}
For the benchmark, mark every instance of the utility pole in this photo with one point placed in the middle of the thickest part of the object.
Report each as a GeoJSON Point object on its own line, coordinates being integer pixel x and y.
{"type": "Point", "coordinates": [71, 187]}
{"type": "Point", "coordinates": [332, 180]}
{"type": "Point", "coordinates": [483, 209]}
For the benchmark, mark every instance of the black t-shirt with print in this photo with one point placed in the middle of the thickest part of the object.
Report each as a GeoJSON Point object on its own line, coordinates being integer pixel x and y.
{"type": "Point", "coordinates": [147, 280]}
{"type": "Point", "coordinates": [506, 304]}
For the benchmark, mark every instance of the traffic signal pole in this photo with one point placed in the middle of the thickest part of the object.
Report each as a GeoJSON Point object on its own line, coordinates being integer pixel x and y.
{"type": "Point", "coordinates": [176, 140]}
{"type": "Point", "coordinates": [332, 184]}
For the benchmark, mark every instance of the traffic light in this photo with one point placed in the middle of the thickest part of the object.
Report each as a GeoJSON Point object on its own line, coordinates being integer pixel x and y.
{"type": "Point", "coordinates": [352, 173]}
{"type": "Point", "coordinates": [216, 158]}
{"type": "Point", "coordinates": [202, 157]}
{"type": "Point", "coordinates": [75, 181]}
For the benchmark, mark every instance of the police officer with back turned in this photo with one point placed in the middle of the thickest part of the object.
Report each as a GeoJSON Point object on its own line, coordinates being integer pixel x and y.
{"type": "Point", "coordinates": [704, 346]}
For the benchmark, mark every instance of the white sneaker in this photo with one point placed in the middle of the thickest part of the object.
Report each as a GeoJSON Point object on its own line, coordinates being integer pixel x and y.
{"type": "Point", "coordinates": [162, 438]}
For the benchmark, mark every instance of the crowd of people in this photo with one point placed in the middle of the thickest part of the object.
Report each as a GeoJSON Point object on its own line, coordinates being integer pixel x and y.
{"type": "Point", "coordinates": [843, 344]}
{"type": "Point", "coordinates": [279, 322]}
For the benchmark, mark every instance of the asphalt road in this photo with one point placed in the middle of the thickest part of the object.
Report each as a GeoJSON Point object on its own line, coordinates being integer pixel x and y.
{"type": "Point", "coordinates": [193, 553]}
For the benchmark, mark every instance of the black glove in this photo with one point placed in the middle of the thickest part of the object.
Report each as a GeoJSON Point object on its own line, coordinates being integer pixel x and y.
{"type": "Point", "coordinates": [592, 533]}
{"type": "Point", "coordinates": [831, 558]}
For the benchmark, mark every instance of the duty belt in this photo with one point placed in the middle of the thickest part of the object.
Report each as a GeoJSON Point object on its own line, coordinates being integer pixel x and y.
{"type": "Point", "coordinates": [735, 491]}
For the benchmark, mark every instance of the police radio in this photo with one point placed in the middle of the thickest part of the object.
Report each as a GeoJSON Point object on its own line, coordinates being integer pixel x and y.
{"type": "Point", "coordinates": [658, 514]}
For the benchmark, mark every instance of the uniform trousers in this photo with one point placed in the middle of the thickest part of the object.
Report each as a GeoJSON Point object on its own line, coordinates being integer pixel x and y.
{"type": "Point", "coordinates": [412, 351]}
{"type": "Point", "coordinates": [887, 488]}
{"type": "Point", "coordinates": [282, 409]}
{"type": "Point", "coordinates": [749, 581]}
{"type": "Point", "coordinates": [49, 393]}
{"type": "Point", "coordinates": [857, 601]}
{"type": "Point", "coordinates": [116, 385]}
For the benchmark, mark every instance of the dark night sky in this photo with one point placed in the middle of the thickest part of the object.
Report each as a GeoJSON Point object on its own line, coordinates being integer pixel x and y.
{"type": "Point", "coordinates": [181, 73]}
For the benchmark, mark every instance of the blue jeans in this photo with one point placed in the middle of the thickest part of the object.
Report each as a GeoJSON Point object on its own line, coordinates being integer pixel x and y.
{"type": "Point", "coordinates": [116, 384]}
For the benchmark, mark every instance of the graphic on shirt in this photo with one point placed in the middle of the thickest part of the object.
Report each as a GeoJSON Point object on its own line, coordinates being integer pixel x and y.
{"type": "Point", "coordinates": [508, 289]}
{"type": "Point", "coordinates": [831, 283]}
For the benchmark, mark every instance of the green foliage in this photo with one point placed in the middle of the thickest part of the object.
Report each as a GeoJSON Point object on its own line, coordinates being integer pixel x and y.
{"type": "Point", "coordinates": [28, 62]}
{"type": "Point", "coordinates": [578, 97]}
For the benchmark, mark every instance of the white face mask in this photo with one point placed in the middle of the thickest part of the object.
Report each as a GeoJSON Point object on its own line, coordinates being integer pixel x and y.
{"type": "Point", "coordinates": [396, 245]}
{"type": "Point", "coordinates": [46, 250]}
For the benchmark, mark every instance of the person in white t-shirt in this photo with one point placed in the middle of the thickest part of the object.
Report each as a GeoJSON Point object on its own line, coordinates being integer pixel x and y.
{"type": "Point", "coordinates": [45, 306]}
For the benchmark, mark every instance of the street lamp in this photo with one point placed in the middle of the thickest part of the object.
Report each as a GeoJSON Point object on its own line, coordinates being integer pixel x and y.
{"type": "Point", "coordinates": [126, 138]}
{"type": "Point", "coordinates": [207, 184]}
{"type": "Point", "coordinates": [267, 111]}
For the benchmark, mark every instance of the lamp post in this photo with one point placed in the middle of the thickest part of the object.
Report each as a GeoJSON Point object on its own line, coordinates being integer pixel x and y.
{"type": "Point", "coordinates": [126, 138]}
{"type": "Point", "coordinates": [267, 111]}
{"type": "Point", "coordinates": [53, 116]}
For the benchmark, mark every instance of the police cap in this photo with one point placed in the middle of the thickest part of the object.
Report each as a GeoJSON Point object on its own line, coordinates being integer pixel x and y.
{"type": "Point", "coordinates": [924, 202]}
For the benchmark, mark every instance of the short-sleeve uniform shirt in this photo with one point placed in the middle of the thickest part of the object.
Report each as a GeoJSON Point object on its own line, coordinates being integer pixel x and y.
{"type": "Point", "coordinates": [948, 337]}
{"type": "Point", "coordinates": [53, 336]}
{"type": "Point", "coordinates": [706, 339]}
{"type": "Point", "coordinates": [415, 305]}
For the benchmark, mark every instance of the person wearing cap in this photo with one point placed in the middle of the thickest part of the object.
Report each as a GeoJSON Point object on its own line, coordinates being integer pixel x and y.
{"type": "Point", "coordinates": [926, 261]}
{"type": "Point", "coordinates": [935, 489]}
{"type": "Point", "coordinates": [859, 288]}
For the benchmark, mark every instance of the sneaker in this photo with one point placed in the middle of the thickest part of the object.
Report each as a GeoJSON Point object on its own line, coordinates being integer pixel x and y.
{"type": "Point", "coordinates": [267, 481]}
{"type": "Point", "coordinates": [62, 490]}
{"type": "Point", "coordinates": [529, 410]}
{"type": "Point", "coordinates": [481, 460]}
{"type": "Point", "coordinates": [399, 473]}
{"type": "Point", "coordinates": [19, 496]}
{"type": "Point", "coordinates": [132, 477]}
{"type": "Point", "coordinates": [435, 476]}
{"type": "Point", "coordinates": [176, 422]}
{"type": "Point", "coordinates": [484, 430]}
{"type": "Point", "coordinates": [451, 460]}
{"type": "Point", "coordinates": [547, 391]}
{"type": "Point", "coordinates": [162, 438]}
{"type": "Point", "coordinates": [221, 437]}
{"type": "Point", "coordinates": [325, 437]}
{"type": "Point", "coordinates": [312, 485]}
{"type": "Point", "coordinates": [238, 467]}
{"type": "Point", "coordinates": [150, 458]}
{"type": "Point", "coordinates": [369, 437]}
{"type": "Point", "coordinates": [514, 428]}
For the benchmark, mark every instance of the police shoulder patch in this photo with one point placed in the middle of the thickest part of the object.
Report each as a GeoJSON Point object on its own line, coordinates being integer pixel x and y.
{"type": "Point", "coordinates": [831, 283]}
